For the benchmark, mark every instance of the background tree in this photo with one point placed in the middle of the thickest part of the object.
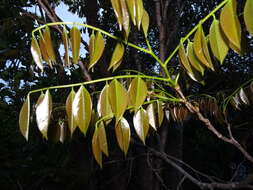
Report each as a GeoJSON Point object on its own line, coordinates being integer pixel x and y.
{"type": "Point", "coordinates": [131, 170]}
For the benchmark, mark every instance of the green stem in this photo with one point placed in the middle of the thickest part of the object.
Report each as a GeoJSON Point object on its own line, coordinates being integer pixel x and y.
{"type": "Point", "coordinates": [99, 80]}
{"type": "Point", "coordinates": [195, 28]}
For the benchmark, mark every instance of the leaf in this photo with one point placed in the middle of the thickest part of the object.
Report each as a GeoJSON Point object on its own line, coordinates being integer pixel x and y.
{"type": "Point", "coordinates": [139, 12]}
{"type": "Point", "coordinates": [82, 108]}
{"type": "Point", "coordinates": [184, 59]}
{"type": "Point", "coordinates": [65, 40]}
{"type": "Point", "coordinates": [155, 114]}
{"type": "Point", "coordinates": [217, 41]}
{"type": "Point", "coordinates": [43, 50]}
{"type": "Point", "coordinates": [195, 63]}
{"type": "Point", "coordinates": [49, 46]}
{"type": "Point", "coordinates": [24, 117]}
{"type": "Point", "coordinates": [71, 121]}
{"type": "Point", "coordinates": [98, 49]}
{"type": "Point", "coordinates": [145, 22]}
{"type": "Point", "coordinates": [96, 148]}
{"type": "Point", "coordinates": [36, 53]}
{"type": "Point", "coordinates": [117, 56]}
{"type": "Point", "coordinates": [244, 97]}
{"type": "Point", "coordinates": [102, 139]}
{"type": "Point", "coordinates": [131, 5]}
{"type": "Point", "coordinates": [137, 93]}
{"type": "Point", "coordinates": [141, 124]}
{"type": "Point", "coordinates": [123, 134]}
{"type": "Point", "coordinates": [118, 12]}
{"type": "Point", "coordinates": [201, 49]}
{"type": "Point", "coordinates": [125, 16]}
{"type": "Point", "coordinates": [118, 99]}
{"type": "Point", "coordinates": [103, 106]}
{"type": "Point", "coordinates": [43, 112]}
{"type": "Point", "coordinates": [248, 10]}
{"type": "Point", "coordinates": [75, 36]}
{"type": "Point", "coordinates": [231, 26]}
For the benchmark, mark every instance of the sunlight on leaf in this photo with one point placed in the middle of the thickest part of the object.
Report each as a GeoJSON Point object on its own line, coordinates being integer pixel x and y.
{"type": "Point", "coordinates": [36, 53]}
{"type": "Point", "coordinates": [71, 121]}
{"type": "Point", "coordinates": [137, 93]}
{"type": "Point", "coordinates": [118, 97]}
{"type": "Point", "coordinates": [65, 40]}
{"type": "Point", "coordinates": [49, 46]}
{"type": "Point", "coordinates": [231, 26]}
{"type": "Point", "coordinates": [123, 134]}
{"type": "Point", "coordinates": [43, 112]}
{"type": "Point", "coordinates": [248, 16]}
{"type": "Point", "coordinates": [117, 56]}
{"type": "Point", "coordinates": [118, 12]}
{"type": "Point", "coordinates": [24, 117]}
{"type": "Point", "coordinates": [145, 22]}
{"type": "Point", "coordinates": [96, 148]}
{"type": "Point", "coordinates": [155, 114]}
{"type": "Point", "coordinates": [75, 36]}
{"type": "Point", "coordinates": [82, 108]}
{"type": "Point", "coordinates": [141, 124]}
{"type": "Point", "coordinates": [139, 12]}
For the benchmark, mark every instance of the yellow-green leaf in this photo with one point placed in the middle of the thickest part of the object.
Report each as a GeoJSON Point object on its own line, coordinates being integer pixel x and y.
{"type": "Point", "coordinates": [82, 108]}
{"type": "Point", "coordinates": [248, 16]}
{"type": "Point", "coordinates": [49, 45]}
{"type": "Point", "coordinates": [183, 59]}
{"type": "Point", "coordinates": [137, 93]}
{"type": "Point", "coordinates": [131, 5]}
{"type": "Point", "coordinates": [65, 40]}
{"type": "Point", "coordinates": [123, 134]}
{"type": "Point", "coordinates": [71, 121]}
{"type": "Point", "coordinates": [103, 107]}
{"type": "Point", "coordinates": [155, 114]}
{"type": "Point", "coordinates": [141, 124]}
{"type": "Point", "coordinates": [118, 12]}
{"type": "Point", "coordinates": [97, 49]}
{"type": "Point", "coordinates": [139, 12]}
{"type": "Point", "coordinates": [195, 63]}
{"type": "Point", "coordinates": [43, 50]}
{"type": "Point", "coordinates": [125, 16]}
{"type": "Point", "coordinates": [75, 36]}
{"type": "Point", "coordinates": [118, 99]}
{"type": "Point", "coordinates": [217, 41]}
{"type": "Point", "coordinates": [43, 113]}
{"type": "Point", "coordinates": [230, 25]}
{"type": "Point", "coordinates": [201, 49]}
{"type": "Point", "coordinates": [102, 139]}
{"type": "Point", "coordinates": [24, 117]}
{"type": "Point", "coordinates": [117, 56]}
{"type": "Point", "coordinates": [36, 53]}
{"type": "Point", "coordinates": [145, 22]}
{"type": "Point", "coordinates": [96, 148]}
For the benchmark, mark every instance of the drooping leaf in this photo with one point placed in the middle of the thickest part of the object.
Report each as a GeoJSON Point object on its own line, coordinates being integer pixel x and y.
{"type": "Point", "coordinates": [141, 124]}
{"type": "Point", "coordinates": [98, 49]}
{"type": "Point", "coordinates": [235, 101]}
{"type": "Point", "coordinates": [244, 97]}
{"type": "Point", "coordinates": [96, 148]}
{"type": "Point", "coordinates": [184, 59]}
{"type": "Point", "coordinates": [103, 107]}
{"type": "Point", "coordinates": [43, 50]}
{"type": "Point", "coordinates": [145, 22]}
{"type": "Point", "coordinates": [49, 45]}
{"type": "Point", "coordinates": [248, 10]}
{"type": "Point", "coordinates": [58, 132]}
{"type": "Point", "coordinates": [230, 25]}
{"type": "Point", "coordinates": [155, 114]}
{"type": "Point", "coordinates": [24, 117]}
{"type": "Point", "coordinates": [65, 40]}
{"type": "Point", "coordinates": [71, 121]}
{"type": "Point", "coordinates": [195, 63]}
{"type": "Point", "coordinates": [125, 16]}
{"type": "Point", "coordinates": [123, 134]}
{"type": "Point", "coordinates": [82, 108]}
{"type": "Point", "coordinates": [217, 41]}
{"type": "Point", "coordinates": [201, 49]}
{"type": "Point", "coordinates": [43, 112]}
{"type": "Point", "coordinates": [139, 12]}
{"type": "Point", "coordinates": [131, 5]}
{"type": "Point", "coordinates": [137, 93]}
{"type": "Point", "coordinates": [117, 56]}
{"type": "Point", "coordinates": [102, 139]}
{"type": "Point", "coordinates": [36, 53]}
{"type": "Point", "coordinates": [118, 12]}
{"type": "Point", "coordinates": [75, 36]}
{"type": "Point", "coordinates": [118, 99]}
